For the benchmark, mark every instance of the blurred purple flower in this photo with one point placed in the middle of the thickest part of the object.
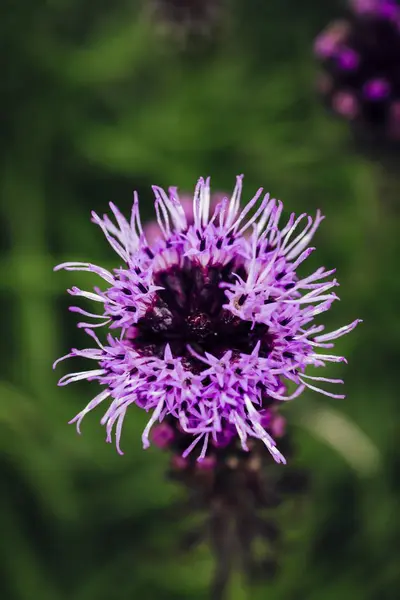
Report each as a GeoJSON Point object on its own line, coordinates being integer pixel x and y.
{"type": "Point", "coordinates": [213, 320]}
{"type": "Point", "coordinates": [359, 57]}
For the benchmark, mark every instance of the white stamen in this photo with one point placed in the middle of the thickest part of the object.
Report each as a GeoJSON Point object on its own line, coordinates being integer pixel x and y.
{"type": "Point", "coordinates": [153, 419]}
{"type": "Point", "coordinates": [324, 392]}
{"type": "Point", "coordinates": [92, 404]}
{"type": "Point", "coordinates": [338, 332]}
{"type": "Point", "coordinates": [66, 379]}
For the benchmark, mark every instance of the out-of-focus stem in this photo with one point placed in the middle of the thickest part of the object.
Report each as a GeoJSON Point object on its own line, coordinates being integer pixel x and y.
{"type": "Point", "coordinates": [223, 544]}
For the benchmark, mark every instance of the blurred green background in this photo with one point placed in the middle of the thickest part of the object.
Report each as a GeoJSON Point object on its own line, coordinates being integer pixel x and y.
{"type": "Point", "coordinates": [94, 104]}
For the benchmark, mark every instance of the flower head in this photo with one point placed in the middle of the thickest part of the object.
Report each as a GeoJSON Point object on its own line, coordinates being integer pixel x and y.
{"type": "Point", "coordinates": [209, 325]}
{"type": "Point", "coordinates": [359, 57]}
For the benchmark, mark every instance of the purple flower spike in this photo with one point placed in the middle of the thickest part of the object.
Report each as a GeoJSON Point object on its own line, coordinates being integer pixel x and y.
{"type": "Point", "coordinates": [389, 9]}
{"type": "Point", "coordinates": [208, 326]}
{"type": "Point", "coordinates": [345, 104]}
{"type": "Point", "coordinates": [348, 59]}
{"type": "Point", "coordinates": [330, 40]}
{"type": "Point", "coordinates": [162, 435]}
{"type": "Point", "coordinates": [278, 426]}
{"type": "Point", "coordinates": [365, 7]}
{"type": "Point", "coordinates": [376, 89]}
{"type": "Point", "coordinates": [359, 75]}
{"type": "Point", "coordinates": [179, 463]}
{"type": "Point", "coordinates": [386, 9]}
{"type": "Point", "coordinates": [207, 464]}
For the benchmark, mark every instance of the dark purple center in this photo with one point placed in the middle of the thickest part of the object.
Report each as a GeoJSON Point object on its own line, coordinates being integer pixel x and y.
{"type": "Point", "coordinates": [189, 311]}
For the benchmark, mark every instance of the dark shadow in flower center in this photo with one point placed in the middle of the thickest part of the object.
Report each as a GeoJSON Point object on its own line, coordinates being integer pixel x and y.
{"type": "Point", "coordinates": [189, 311]}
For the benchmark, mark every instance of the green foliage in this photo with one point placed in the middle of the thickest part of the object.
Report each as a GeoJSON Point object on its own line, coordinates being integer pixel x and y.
{"type": "Point", "coordinates": [94, 105]}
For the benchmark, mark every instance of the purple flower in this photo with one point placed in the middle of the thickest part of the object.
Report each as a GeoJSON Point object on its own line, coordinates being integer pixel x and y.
{"type": "Point", "coordinates": [331, 39]}
{"type": "Point", "coordinates": [359, 57]}
{"type": "Point", "coordinates": [152, 229]}
{"type": "Point", "coordinates": [209, 326]}
{"type": "Point", "coordinates": [162, 435]}
{"type": "Point", "coordinates": [382, 8]}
